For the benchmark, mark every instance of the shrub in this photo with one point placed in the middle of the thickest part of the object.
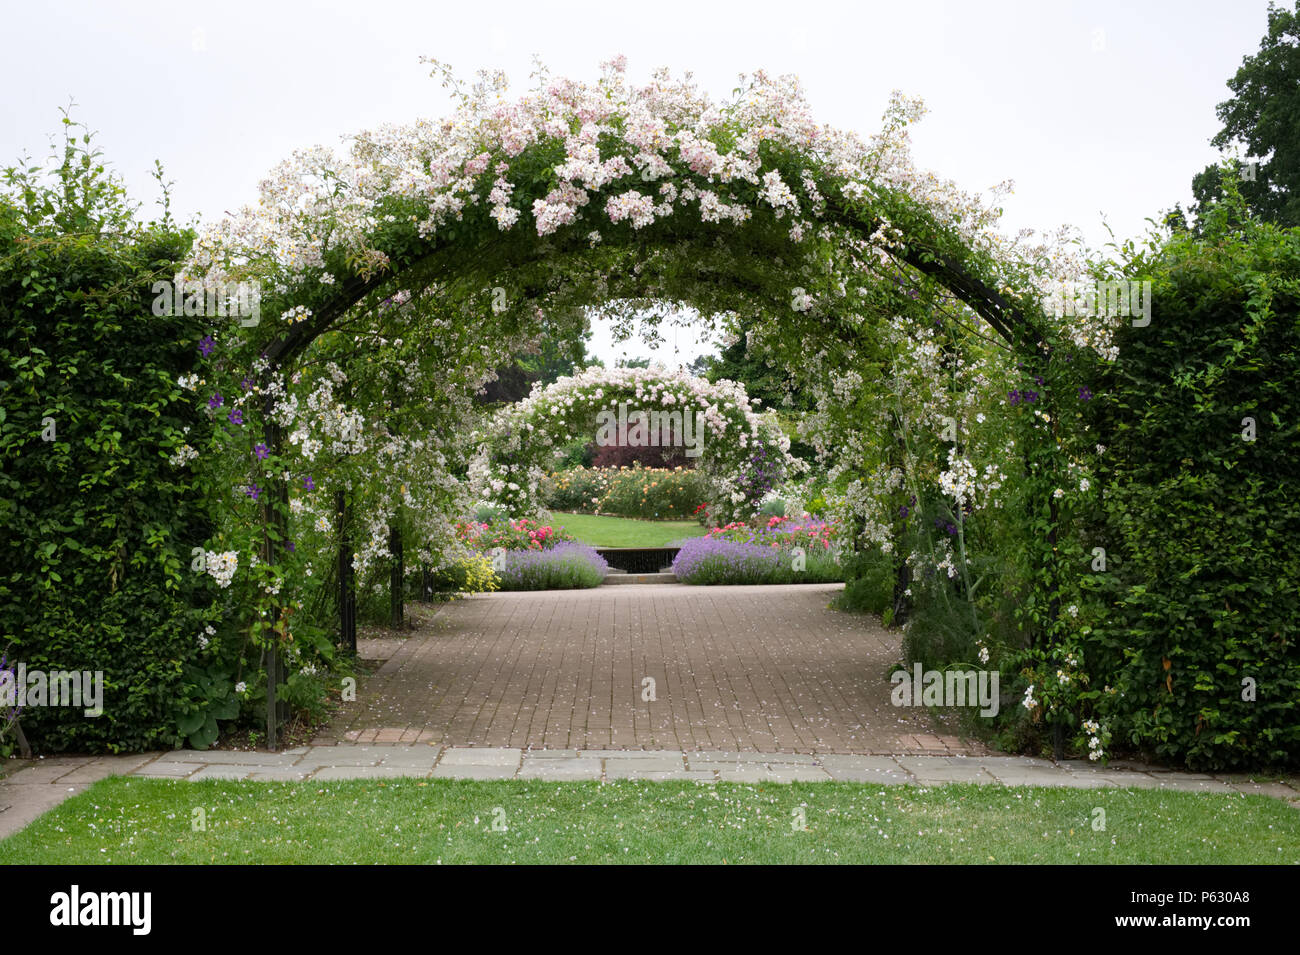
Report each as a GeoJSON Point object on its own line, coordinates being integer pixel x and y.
{"type": "Point", "coordinates": [651, 493]}
{"type": "Point", "coordinates": [868, 584]}
{"type": "Point", "coordinates": [1200, 523]}
{"type": "Point", "coordinates": [522, 534]}
{"type": "Point", "coordinates": [717, 560]}
{"type": "Point", "coordinates": [469, 575]}
{"type": "Point", "coordinates": [489, 513]}
{"type": "Point", "coordinates": [97, 526]}
{"type": "Point", "coordinates": [566, 566]}
{"type": "Point", "coordinates": [809, 533]}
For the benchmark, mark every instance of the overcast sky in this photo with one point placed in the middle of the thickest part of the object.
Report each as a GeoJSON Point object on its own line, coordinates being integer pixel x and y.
{"type": "Point", "coordinates": [1100, 110]}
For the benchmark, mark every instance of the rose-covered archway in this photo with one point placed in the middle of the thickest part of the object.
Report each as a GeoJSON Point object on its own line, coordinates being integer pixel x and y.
{"type": "Point", "coordinates": [714, 422]}
{"type": "Point", "coordinates": [395, 277]}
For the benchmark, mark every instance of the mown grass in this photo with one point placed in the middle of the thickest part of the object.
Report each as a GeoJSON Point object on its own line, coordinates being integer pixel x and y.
{"type": "Point", "coordinates": [123, 820]}
{"type": "Point", "coordinates": [603, 531]}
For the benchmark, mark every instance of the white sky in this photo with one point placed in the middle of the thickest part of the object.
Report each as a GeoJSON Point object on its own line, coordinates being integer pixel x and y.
{"type": "Point", "coordinates": [1101, 109]}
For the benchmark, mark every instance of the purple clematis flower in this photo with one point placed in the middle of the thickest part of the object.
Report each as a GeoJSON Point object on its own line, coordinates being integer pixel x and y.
{"type": "Point", "coordinates": [1085, 394]}
{"type": "Point", "coordinates": [308, 483]}
{"type": "Point", "coordinates": [206, 344]}
{"type": "Point", "coordinates": [261, 450]}
{"type": "Point", "coordinates": [252, 491]}
{"type": "Point", "coordinates": [235, 417]}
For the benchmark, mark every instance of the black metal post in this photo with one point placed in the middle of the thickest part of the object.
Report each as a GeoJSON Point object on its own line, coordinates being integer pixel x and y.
{"type": "Point", "coordinates": [347, 590]}
{"type": "Point", "coordinates": [397, 578]}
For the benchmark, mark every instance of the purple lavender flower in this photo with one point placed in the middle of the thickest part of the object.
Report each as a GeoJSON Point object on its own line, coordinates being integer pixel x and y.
{"type": "Point", "coordinates": [717, 560]}
{"type": "Point", "coordinates": [566, 565]}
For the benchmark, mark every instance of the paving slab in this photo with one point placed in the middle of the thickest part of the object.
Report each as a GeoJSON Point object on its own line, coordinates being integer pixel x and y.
{"type": "Point", "coordinates": [560, 768]}
{"type": "Point", "coordinates": [1009, 775]}
{"type": "Point", "coordinates": [279, 775]}
{"type": "Point", "coordinates": [22, 804]}
{"type": "Point", "coordinates": [632, 753]}
{"type": "Point", "coordinates": [864, 769]}
{"type": "Point", "coordinates": [616, 768]}
{"type": "Point", "coordinates": [413, 756]}
{"type": "Point", "coordinates": [42, 772]}
{"type": "Point", "coordinates": [941, 770]}
{"type": "Point", "coordinates": [220, 771]}
{"type": "Point", "coordinates": [160, 770]}
{"type": "Point", "coordinates": [472, 771]}
{"type": "Point", "coordinates": [332, 773]}
{"type": "Point", "coordinates": [487, 756]}
{"type": "Point", "coordinates": [671, 776]}
{"type": "Point", "coordinates": [1193, 785]}
{"type": "Point", "coordinates": [227, 756]}
{"type": "Point", "coordinates": [554, 753]}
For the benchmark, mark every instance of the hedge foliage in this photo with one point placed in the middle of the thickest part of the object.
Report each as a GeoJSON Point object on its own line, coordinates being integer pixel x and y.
{"type": "Point", "coordinates": [1201, 421]}
{"type": "Point", "coordinates": [96, 526]}
{"type": "Point", "coordinates": [637, 492]}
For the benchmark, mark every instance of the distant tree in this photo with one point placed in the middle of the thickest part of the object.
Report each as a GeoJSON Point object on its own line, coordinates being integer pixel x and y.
{"type": "Point", "coordinates": [701, 365]}
{"type": "Point", "coordinates": [1263, 116]}
{"type": "Point", "coordinates": [738, 362]}
{"type": "Point", "coordinates": [551, 359]}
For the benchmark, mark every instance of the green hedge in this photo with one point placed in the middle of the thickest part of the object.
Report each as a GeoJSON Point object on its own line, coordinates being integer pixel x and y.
{"type": "Point", "coordinates": [1202, 527]}
{"type": "Point", "coordinates": [96, 527]}
{"type": "Point", "coordinates": [652, 493]}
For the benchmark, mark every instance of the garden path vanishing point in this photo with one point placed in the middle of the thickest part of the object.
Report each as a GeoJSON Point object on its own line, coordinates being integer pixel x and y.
{"type": "Point", "coordinates": [734, 668]}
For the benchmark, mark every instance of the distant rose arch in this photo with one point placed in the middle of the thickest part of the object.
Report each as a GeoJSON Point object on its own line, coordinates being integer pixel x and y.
{"type": "Point", "coordinates": [519, 447]}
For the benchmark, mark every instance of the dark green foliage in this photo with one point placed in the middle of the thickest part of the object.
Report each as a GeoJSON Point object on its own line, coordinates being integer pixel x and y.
{"type": "Point", "coordinates": [1263, 115]}
{"type": "Point", "coordinates": [1202, 523]}
{"type": "Point", "coordinates": [96, 527]}
{"type": "Point", "coordinates": [868, 584]}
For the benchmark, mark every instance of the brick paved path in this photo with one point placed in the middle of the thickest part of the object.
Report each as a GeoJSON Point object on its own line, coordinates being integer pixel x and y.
{"type": "Point", "coordinates": [748, 669]}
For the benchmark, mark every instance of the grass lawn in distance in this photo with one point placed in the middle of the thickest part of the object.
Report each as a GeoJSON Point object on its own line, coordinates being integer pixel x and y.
{"type": "Point", "coordinates": [124, 820]}
{"type": "Point", "coordinates": [600, 530]}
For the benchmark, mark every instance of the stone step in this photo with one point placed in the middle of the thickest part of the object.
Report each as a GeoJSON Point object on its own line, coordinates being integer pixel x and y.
{"type": "Point", "coordinates": [663, 577]}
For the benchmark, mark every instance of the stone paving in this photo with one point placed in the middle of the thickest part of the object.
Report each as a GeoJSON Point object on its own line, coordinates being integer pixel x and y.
{"type": "Point", "coordinates": [752, 685]}
{"type": "Point", "coordinates": [30, 787]}
{"type": "Point", "coordinates": [764, 669]}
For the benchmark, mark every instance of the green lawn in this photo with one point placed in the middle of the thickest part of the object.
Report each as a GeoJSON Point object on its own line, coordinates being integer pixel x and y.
{"type": "Point", "coordinates": [122, 820]}
{"type": "Point", "coordinates": [602, 531]}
